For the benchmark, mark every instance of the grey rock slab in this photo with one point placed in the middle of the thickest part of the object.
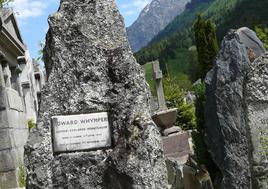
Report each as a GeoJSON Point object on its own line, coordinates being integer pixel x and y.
{"type": "Point", "coordinates": [175, 175]}
{"type": "Point", "coordinates": [250, 40]}
{"type": "Point", "coordinates": [257, 114]}
{"type": "Point", "coordinates": [236, 112]}
{"type": "Point", "coordinates": [90, 69]}
{"type": "Point", "coordinates": [226, 127]}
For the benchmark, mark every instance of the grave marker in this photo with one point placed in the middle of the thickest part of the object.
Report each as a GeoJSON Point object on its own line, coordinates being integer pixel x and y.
{"type": "Point", "coordinates": [90, 68]}
{"type": "Point", "coordinates": [158, 76]}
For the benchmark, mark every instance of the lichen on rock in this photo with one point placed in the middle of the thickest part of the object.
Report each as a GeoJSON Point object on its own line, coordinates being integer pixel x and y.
{"type": "Point", "coordinates": [90, 68]}
{"type": "Point", "coordinates": [235, 102]}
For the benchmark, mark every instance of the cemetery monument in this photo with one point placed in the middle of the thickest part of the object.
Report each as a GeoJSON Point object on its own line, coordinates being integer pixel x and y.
{"type": "Point", "coordinates": [94, 129]}
{"type": "Point", "coordinates": [236, 111]}
{"type": "Point", "coordinates": [17, 99]}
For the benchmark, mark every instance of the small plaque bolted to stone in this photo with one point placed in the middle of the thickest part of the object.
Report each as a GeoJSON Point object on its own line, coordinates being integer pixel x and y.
{"type": "Point", "coordinates": [81, 132]}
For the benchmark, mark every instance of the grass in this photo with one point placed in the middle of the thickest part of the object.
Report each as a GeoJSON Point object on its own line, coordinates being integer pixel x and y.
{"type": "Point", "coordinates": [22, 176]}
{"type": "Point", "coordinates": [149, 77]}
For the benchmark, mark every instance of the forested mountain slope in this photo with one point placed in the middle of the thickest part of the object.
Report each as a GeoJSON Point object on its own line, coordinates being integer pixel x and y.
{"type": "Point", "coordinates": [172, 45]}
{"type": "Point", "coordinates": [153, 18]}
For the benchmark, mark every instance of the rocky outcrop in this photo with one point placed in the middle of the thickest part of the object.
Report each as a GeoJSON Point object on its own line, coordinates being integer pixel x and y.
{"type": "Point", "coordinates": [256, 94]}
{"type": "Point", "coordinates": [91, 69]}
{"type": "Point", "coordinates": [228, 123]}
{"type": "Point", "coordinates": [153, 18]}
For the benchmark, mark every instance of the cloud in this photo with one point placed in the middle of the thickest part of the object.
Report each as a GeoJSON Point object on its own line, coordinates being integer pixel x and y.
{"type": "Point", "coordinates": [29, 8]}
{"type": "Point", "coordinates": [133, 7]}
{"type": "Point", "coordinates": [140, 4]}
{"type": "Point", "coordinates": [129, 12]}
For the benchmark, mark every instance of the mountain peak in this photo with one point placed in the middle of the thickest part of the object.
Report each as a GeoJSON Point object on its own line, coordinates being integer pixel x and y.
{"type": "Point", "coordinates": [152, 19]}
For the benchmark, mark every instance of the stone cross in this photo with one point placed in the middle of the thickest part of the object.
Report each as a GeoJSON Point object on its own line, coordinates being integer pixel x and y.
{"type": "Point", "coordinates": [157, 76]}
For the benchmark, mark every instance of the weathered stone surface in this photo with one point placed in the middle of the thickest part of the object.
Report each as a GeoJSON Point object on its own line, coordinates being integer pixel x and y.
{"type": "Point", "coordinates": [91, 69]}
{"type": "Point", "coordinates": [257, 113]}
{"type": "Point", "coordinates": [227, 135]}
{"type": "Point", "coordinates": [250, 40]}
{"type": "Point", "coordinates": [14, 100]}
{"type": "Point", "coordinates": [175, 175]}
{"type": "Point", "coordinates": [177, 146]}
{"type": "Point", "coordinates": [9, 179]}
{"type": "Point", "coordinates": [8, 160]}
{"type": "Point", "coordinates": [236, 112]}
{"type": "Point", "coordinates": [172, 130]}
{"type": "Point", "coordinates": [5, 142]}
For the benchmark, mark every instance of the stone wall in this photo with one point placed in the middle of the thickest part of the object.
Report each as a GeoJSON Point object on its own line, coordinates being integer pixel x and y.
{"type": "Point", "coordinates": [29, 89]}
{"type": "Point", "coordinates": [13, 119]}
{"type": "Point", "coordinates": [13, 135]}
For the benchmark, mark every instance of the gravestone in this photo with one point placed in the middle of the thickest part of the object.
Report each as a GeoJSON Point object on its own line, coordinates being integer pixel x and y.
{"type": "Point", "coordinates": [257, 117]}
{"type": "Point", "coordinates": [158, 76]}
{"type": "Point", "coordinates": [96, 92]}
{"type": "Point", "coordinates": [236, 110]}
{"type": "Point", "coordinates": [164, 118]}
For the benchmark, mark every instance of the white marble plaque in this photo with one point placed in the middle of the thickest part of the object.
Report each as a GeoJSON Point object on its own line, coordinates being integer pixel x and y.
{"type": "Point", "coordinates": [81, 132]}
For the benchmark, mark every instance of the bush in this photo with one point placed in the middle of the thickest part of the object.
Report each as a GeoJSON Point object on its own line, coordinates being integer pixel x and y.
{"type": "Point", "coordinates": [175, 99]}
{"type": "Point", "coordinates": [262, 33]}
{"type": "Point", "coordinates": [31, 124]}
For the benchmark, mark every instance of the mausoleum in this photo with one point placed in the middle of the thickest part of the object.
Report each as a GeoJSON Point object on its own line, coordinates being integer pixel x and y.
{"type": "Point", "coordinates": [18, 99]}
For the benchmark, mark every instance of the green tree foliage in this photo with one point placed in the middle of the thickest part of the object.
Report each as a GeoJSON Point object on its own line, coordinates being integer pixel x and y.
{"type": "Point", "coordinates": [262, 33]}
{"type": "Point", "coordinates": [183, 81]}
{"type": "Point", "coordinates": [264, 143]}
{"type": "Point", "coordinates": [206, 43]}
{"type": "Point", "coordinates": [22, 176]}
{"type": "Point", "coordinates": [172, 43]}
{"type": "Point", "coordinates": [165, 49]}
{"type": "Point", "coordinates": [5, 2]}
{"type": "Point", "coordinates": [175, 99]}
{"type": "Point", "coordinates": [207, 48]}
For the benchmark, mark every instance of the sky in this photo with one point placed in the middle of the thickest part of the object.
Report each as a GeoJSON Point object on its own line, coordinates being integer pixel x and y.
{"type": "Point", "coordinates": [32, 18]}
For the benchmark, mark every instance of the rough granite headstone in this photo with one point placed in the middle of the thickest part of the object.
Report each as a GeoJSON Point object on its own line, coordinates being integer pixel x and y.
{"type": "Point", "coordinates": [250, 40]}
{"type": "Point", "coordinates": [256, 93]}
{"type": "Point", "coordinates": [91, 69]}
{"type": "Point", "coordinates": [235, 109]}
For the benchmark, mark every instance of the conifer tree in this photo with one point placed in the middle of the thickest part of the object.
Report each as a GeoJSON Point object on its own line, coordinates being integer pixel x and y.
{"type": "Point", "coordinates": [206, 43]}
{"type": "Point", "coordinates": [207, 48]}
